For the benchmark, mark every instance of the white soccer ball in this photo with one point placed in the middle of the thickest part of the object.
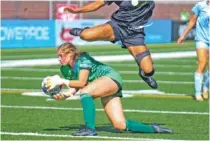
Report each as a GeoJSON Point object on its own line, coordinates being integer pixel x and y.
{"type": "Point", "coordinates": [53, 91]}
{"type": "Point", "coordinates": [134, 2]}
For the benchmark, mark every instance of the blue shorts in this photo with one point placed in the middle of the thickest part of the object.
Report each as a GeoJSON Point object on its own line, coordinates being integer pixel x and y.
{"type": "Point", "coordinates": [201, 44]}
{"type": "Point", "coordinates": [127, 36]}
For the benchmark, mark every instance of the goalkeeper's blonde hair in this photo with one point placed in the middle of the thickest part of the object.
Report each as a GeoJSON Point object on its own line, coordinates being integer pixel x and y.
{"type": "Point", "coordinates": [67, 48]}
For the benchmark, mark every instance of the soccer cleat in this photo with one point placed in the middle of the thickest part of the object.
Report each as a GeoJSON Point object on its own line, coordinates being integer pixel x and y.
{"type": "Point", "coordinates": [76, 31]}
{"type": "Point", "coordinates": [159, 129]}
{"type": "Point", "coordinates": [198, 97]}
{"type": "Point", "coordinates": [205, 94]}
{"type": "Point", "coordinates": [149, 80]}
{"type": "Point", "coordinates": [85, 132]}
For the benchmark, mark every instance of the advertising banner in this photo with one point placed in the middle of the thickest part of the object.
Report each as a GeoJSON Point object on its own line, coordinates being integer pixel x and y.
{"type": "Point", "coordinates": [50, 33]}
{"type": "Point", "coordinates": [27, 33]}
{"type": "Point", "coordinates": [160, 31]}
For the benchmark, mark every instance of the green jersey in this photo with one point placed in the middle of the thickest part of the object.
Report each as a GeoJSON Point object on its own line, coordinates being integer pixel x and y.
{"type": "Point", "coordinates": [97, 69]}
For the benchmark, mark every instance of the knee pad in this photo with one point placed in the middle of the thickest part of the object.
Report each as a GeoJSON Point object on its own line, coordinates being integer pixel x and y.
{"type": "Point", "coordinates": [140, 56]}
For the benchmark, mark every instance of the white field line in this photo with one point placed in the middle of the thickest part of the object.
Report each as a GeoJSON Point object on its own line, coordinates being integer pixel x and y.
{"type": "Point", "coordinates": [87, 137]}
{"type": "Point", "coordinates": [38, 92]}
{"type": "Point", "coordinates": [134, 65]}
{"type": "Point", "coordinates": [105, 58]}
{"type": "Point", "coordinates": [22, 90]}
{"type": "Point", "coordinates": [53, 54]}
{"type": "Point", "coordinates": [122, 72]}
{"type": "Point", "coordinates": [31, 69]}
{"type": "Point", "coordinates": [125, 81]}
{"type": "Point", "coordinates": [21, 78]}
{"type": "Point", "coordinates": [162, 82]}
{"type": "Point", "coordinates": [156, 65]}
{"type": "Point", "coordinates": [28, 56]}
{"type": "Point", "coordinates": [125, 110]}
{"type": "Point", "coordinates": [193, 60]}
{"type": "Point", "coordinates": [158, 73]}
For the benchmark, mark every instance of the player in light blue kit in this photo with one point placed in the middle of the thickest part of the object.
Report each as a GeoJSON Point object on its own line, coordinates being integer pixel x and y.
{"type": "Point", "coordinates": [200, 17]}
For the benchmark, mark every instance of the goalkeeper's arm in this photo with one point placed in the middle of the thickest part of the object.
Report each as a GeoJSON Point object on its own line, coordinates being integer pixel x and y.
{"type": "Point", "coordinates": [78, 84]}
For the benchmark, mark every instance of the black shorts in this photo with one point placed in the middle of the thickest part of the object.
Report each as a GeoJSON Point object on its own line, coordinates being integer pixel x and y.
{"type": "Point", "coordinates": [128, 36]}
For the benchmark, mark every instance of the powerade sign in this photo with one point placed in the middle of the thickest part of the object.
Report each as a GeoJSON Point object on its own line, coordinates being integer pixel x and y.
{"type": "Point", "coordinates": [158, 31]}
{"type": "Point", "coordinates": [27, 33]}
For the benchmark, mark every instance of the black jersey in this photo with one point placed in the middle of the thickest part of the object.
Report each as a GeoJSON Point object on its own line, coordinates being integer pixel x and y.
{"type": "Point", "coordinates": [130, 15]}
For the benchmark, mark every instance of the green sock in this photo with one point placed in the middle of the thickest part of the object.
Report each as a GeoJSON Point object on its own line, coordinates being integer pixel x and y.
{"type": "Point", "coordinates": [88, 106]}
{"type": "Point", "coordinates": [138, 127]}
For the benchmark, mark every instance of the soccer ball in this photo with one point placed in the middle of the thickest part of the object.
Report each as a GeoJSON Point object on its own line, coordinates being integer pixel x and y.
{"type": "Point", "coordinates": [134, 2]}
{"type": "Point", "coordinates": [51, 92]}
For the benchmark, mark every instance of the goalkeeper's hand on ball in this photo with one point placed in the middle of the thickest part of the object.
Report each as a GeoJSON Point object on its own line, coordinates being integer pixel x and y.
{"type": "Point", "coordinates": [56, 80]}
{"type": "Point", "coordinates": [63, 96]}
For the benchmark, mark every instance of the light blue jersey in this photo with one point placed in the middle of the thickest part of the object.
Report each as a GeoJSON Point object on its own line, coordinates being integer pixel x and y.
{"type": "Point", "coordinates": [202, 11]}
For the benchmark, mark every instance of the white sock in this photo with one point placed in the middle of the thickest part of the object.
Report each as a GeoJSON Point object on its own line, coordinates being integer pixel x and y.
{"type": "Point", "coordinates": [198, 83]}
{"type": "Point", "coordinates": [206, 81]}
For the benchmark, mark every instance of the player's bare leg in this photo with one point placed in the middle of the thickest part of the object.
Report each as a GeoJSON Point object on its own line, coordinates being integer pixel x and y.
{"type": "Point", "coordinates": [144, 61]}
{"type": "Point", "coordinates": [100, 32]}
{"type": "Point", "coordinates": [96, 88]}
{"type": "Point", "coordinates": [87, 94]}
{"type": "Point", "coordinates": [114, 111]}
{"type": "Point", "coordinates": [113, 108]}
{"type": "Point", "coordinates": [202, 61]}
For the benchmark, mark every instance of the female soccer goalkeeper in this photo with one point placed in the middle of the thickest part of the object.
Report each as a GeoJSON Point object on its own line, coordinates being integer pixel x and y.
{"type": "Point", "coordinates": [96, 80]}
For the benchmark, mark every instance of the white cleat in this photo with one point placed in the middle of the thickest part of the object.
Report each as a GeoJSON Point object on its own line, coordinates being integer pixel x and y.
{"type": "Point", "coordinates": [198, 98]}
{"type": "Point", "coordinates": [205, 94]}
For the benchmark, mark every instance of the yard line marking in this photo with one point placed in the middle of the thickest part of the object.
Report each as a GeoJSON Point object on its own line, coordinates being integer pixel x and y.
{"type": "Point", "coordinates": [28, 56]}
{"type": "Point", "coordinates": [139, 93]}
{"type": "Point", "coordinates": [32, 69]}
{"type": "Point", "coordinates": [156, 65]}
{"type": "Point", "coordinates": [53, 55]}
{"type": "Point", "coordinates": [104, 58]}
{"type": "Point", "coordinates": [190, 60]}
{"type": "Point", "coordinates": [95, 53]}
{"type": "Point", "coordinates": [158, 73]}
{"type": "Point", "coordinates": [87, 137]}
{"type": "Point", "coordinates": [160, 81]}
{"type": "Point", "coordinates": [124, 80]}
{"type": "Point", "coordinates": [20, 90]}
{"type": "Point", "coordinates": [122, 72]}
{"type": "Point", "coordinates": [21, 78]}
{"type": "Point", "coordinates": [125, 110]}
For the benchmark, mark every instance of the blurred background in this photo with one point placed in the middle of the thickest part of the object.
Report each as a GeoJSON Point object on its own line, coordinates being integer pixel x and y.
{"type": "Point", "coordinates": [47, 10]}
{"type": "Point", "coordinates": [169, 19]}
